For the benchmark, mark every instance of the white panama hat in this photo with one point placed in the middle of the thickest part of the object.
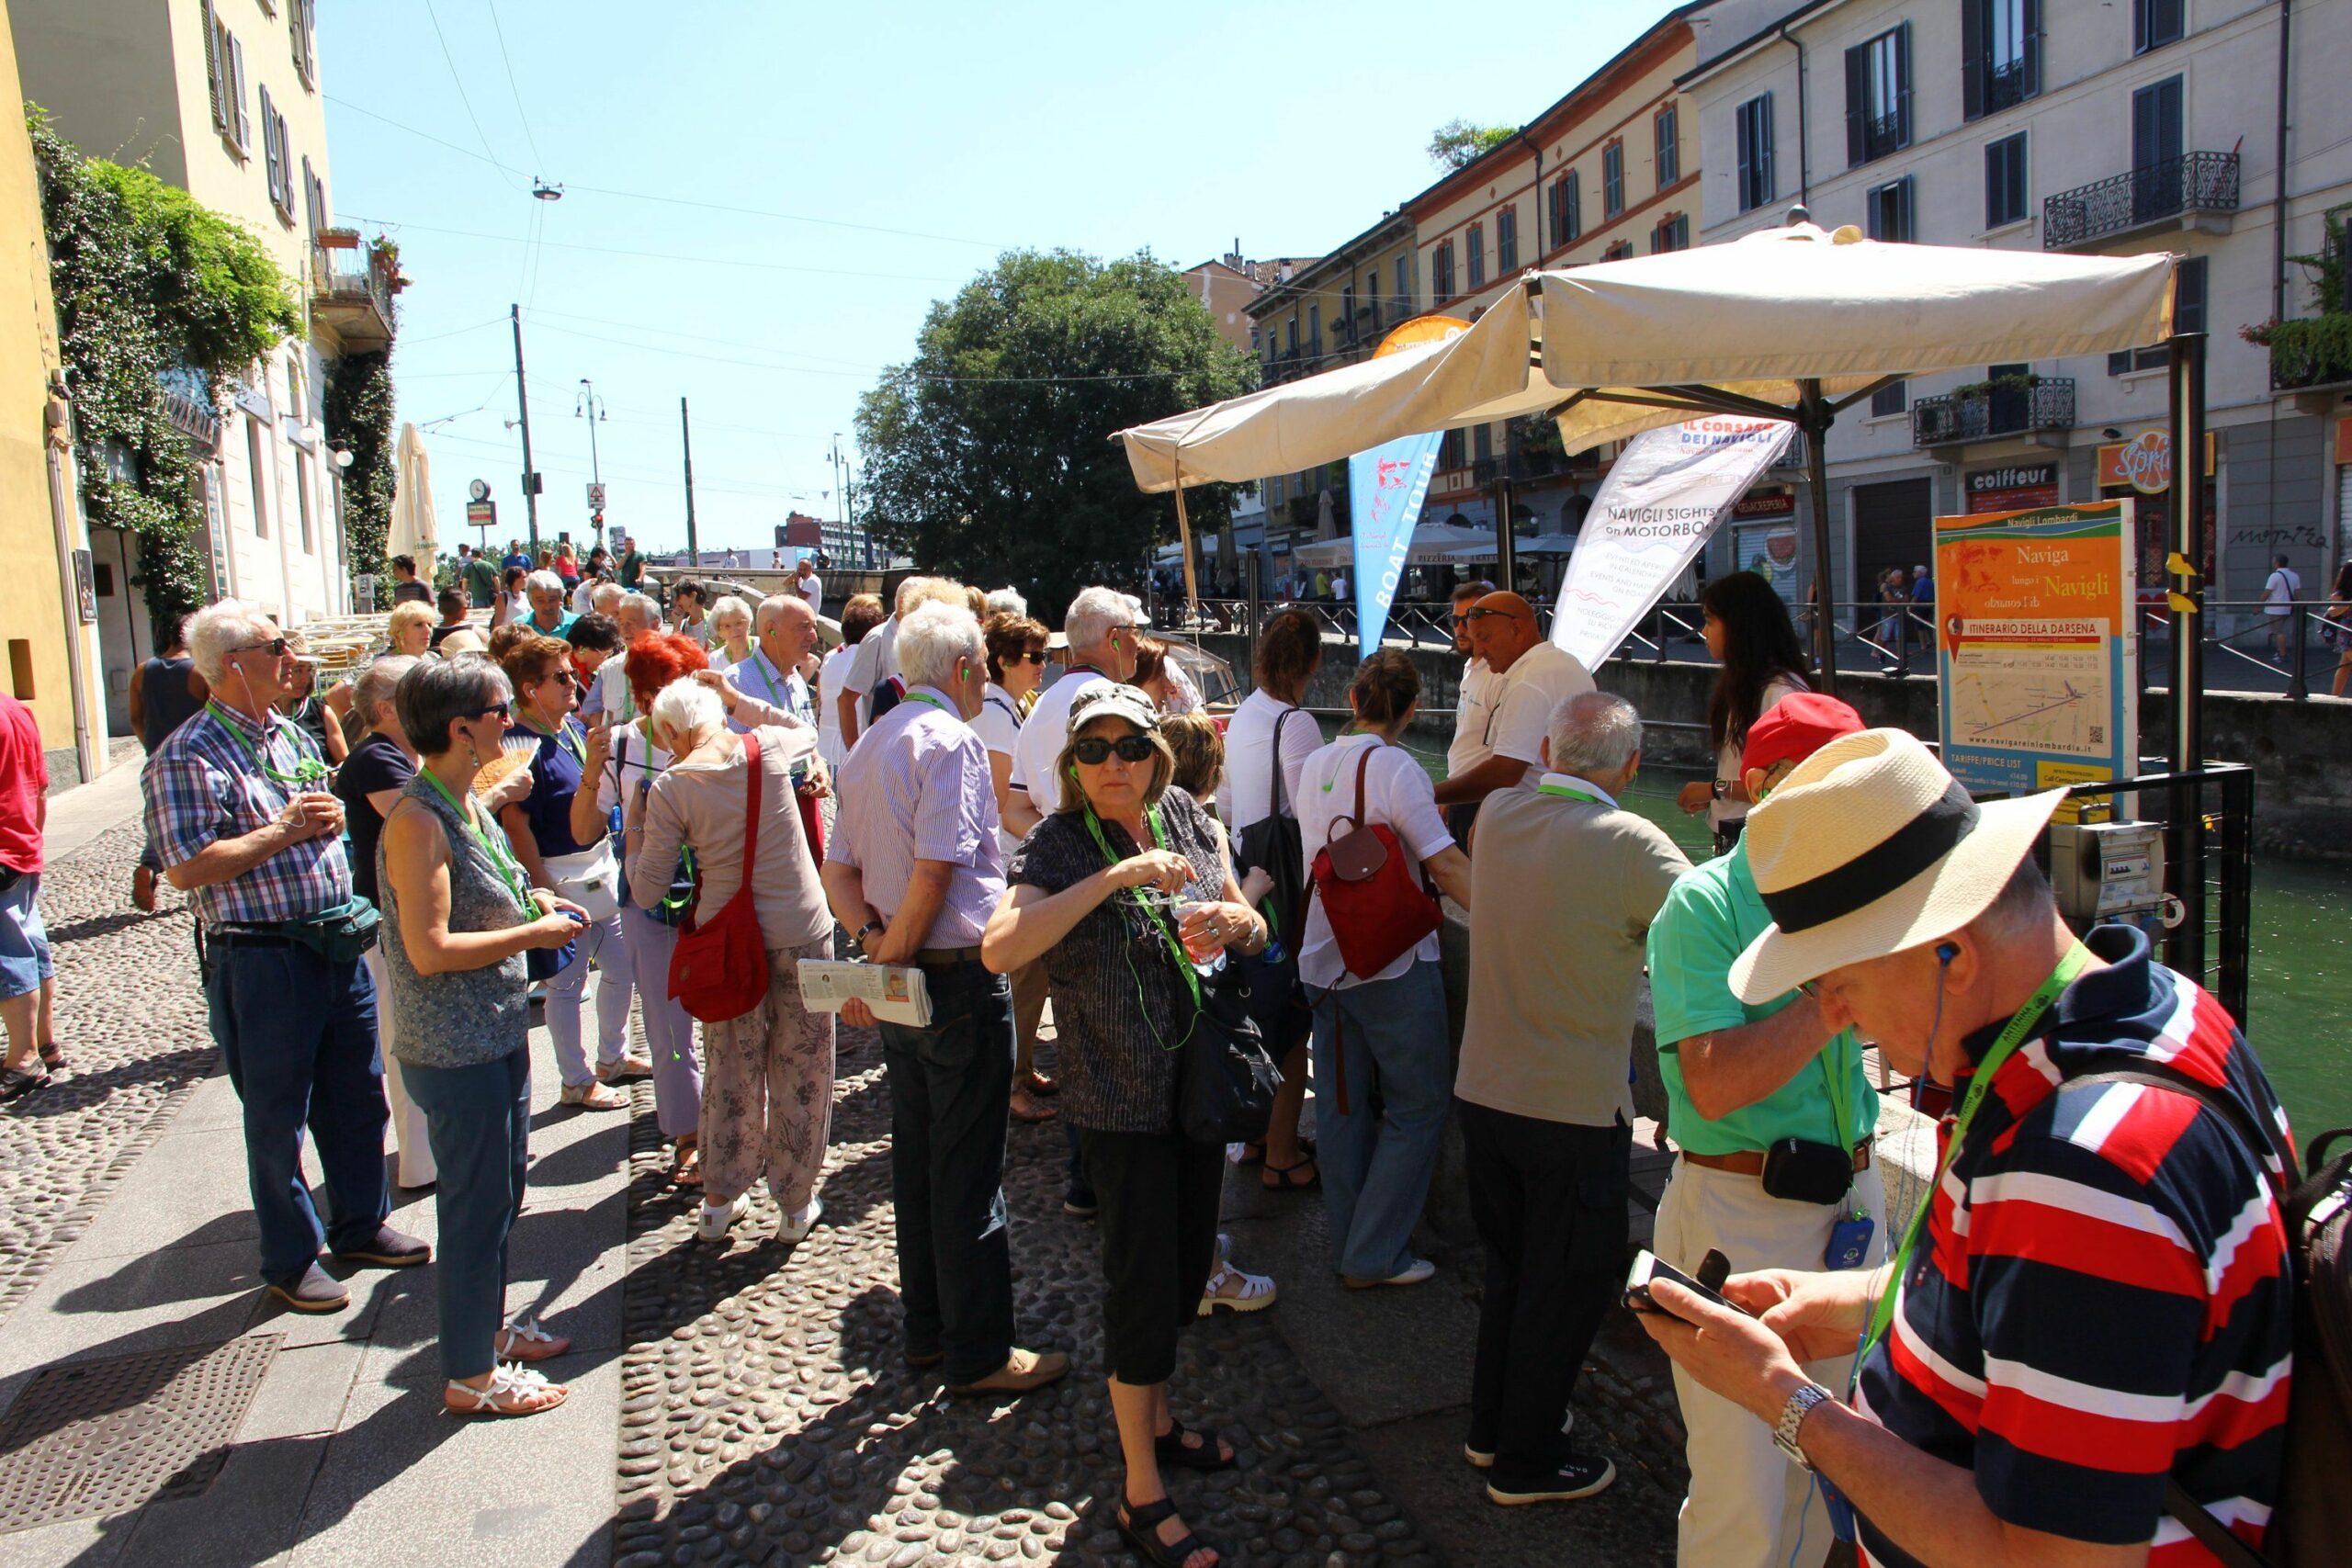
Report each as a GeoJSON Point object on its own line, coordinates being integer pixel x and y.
{"type": "Point", "coordinates": [1868, 848]}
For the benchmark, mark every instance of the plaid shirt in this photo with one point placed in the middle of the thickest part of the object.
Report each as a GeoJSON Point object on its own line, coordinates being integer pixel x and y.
{"type": "Point", "coordinates": [202, 786]}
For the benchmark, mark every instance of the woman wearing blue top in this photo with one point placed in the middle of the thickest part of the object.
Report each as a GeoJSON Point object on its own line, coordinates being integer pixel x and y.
{"type": "Point", "coordinates": [540, 827]}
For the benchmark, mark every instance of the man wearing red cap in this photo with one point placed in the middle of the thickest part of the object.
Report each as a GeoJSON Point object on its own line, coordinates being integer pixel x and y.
{"type": "Point", "coordinates": [1772, 1115]}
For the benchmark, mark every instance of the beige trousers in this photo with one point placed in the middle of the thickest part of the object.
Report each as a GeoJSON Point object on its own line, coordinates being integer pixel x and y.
{"type": "Point", "coordinates": [1749, 1505]}
{"type": "Point", "coordinates": [767, 1090]}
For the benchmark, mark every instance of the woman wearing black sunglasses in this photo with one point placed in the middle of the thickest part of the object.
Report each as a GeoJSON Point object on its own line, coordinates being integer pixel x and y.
{"type": "Point", "coordinates": [1121, 887]}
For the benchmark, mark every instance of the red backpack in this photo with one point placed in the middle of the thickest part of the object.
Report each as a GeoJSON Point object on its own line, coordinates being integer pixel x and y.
{"type": "Point", "coordinates": [719, 970]}
{"type": "Point", "coordinates": [1371, 890]}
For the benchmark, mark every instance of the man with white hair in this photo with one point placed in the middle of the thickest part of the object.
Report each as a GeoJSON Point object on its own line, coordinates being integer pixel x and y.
{"type": "Point", "coordinates": [609, 699]}
{"type": "Point", "coordinates": [240, 813]}
{"type": "Point", "coordinates": [1100, 625]}
{"type": "Point", "coordinates": [550, 614]}
{"type": "Point", "coordinates": [1007, 601]}
{"type": "Point", "coordinates": [914, 872]}
{"type": "Point", "coordinates": [1563, 887]}
{"type": "Point", "coordinates": [607, 598]}
{"type": "Point", "coordinates": [770, 687]}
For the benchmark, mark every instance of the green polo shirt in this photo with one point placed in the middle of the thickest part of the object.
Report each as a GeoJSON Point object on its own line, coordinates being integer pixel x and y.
{"type": "Point", "coordinates": [1709, 918]}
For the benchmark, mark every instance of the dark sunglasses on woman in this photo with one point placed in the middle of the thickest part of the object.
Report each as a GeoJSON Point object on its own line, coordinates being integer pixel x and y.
{"type": "Point", "coordinates": [1095, 751]}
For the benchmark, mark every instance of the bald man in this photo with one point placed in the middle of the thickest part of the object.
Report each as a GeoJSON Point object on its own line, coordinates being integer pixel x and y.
{"type": "Point", "coordinates": [1528, 676]}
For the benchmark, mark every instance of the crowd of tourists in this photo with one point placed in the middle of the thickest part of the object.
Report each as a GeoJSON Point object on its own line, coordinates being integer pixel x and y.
{"type": "Point", "coordinates": [593, 800]}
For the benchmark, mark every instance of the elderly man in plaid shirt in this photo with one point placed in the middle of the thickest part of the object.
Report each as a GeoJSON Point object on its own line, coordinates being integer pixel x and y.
{"type": "Point", "coordinates": [238, 808]}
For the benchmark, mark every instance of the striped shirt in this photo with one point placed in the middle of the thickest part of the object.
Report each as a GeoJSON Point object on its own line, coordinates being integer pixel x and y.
{"type": "Point", "coordinates": [203, 785]}
{"type": "Point", "coordinates": [2103, 1295]}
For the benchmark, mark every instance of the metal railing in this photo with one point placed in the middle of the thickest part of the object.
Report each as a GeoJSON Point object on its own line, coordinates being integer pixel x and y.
{"type": "Point", "coordinates": [2152, 193]}
{"type": "Point", "coordinates": [2048, 403]}
{"type": "Point", "coordinates": [2294, 368]}
{"type": "Point", "coordinates": [343, 271]}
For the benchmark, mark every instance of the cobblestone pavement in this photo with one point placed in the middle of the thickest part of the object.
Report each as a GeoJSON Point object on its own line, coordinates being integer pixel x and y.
{"type": "Point", "coordinates": [767, 1416]}
{"type": "Point", "coordinates": [131, 1020]}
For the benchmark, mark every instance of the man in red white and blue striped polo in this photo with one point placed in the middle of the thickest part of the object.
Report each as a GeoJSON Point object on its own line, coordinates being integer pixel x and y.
{"type": "Point", "coordinates": [2097, 1303]}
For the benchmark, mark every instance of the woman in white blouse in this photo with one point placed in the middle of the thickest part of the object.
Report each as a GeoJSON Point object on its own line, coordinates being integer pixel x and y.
{"type": "Point", "coordinates": [1016, 648]}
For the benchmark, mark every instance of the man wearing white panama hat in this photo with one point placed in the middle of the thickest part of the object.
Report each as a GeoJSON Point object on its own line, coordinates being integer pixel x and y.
{"type": "Point", "coordinates": [2097, 1304]}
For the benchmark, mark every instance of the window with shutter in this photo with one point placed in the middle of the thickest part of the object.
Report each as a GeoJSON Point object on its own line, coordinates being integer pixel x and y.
{"type": "Point", "coordinates": [1889, 209]}
{"type": "Point", "coordinates": [1670, 147]}
{"type": "Point", "coordinates": [302, 22]}
{"type": "Point", "coordinates": [1754, 123]}
{"type": "Point", "coordinates": [1612, 179]}
{"type": "Point", "coordinates": [1878, 96]}
{"type": "Point", "coordinates": [2155, 23]}
{"type": "Point", "coordinates": [1474, 242]}
{"type": "Point", "coordinates": [2005, 198]}
{"type": "Point", "coordinates": [2000, 54]}
{"type": "Point", "coordinates": [1507, 241]}
{"type": "Point", "coordinates": [269, 165]}
{"type": "Point", "coordinates": [1574, 201]}
{"type": "Point", "coordinates": [242, 131]}
{"type": "Point", "coordinates": [212, 68]}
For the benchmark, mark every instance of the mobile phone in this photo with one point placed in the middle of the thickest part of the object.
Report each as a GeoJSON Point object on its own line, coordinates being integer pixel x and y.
{"type": "Point", "coordinates": [1647, 1267]}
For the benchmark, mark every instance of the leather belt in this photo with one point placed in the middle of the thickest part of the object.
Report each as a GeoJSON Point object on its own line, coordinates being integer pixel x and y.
{"type": "Point", "coordinates": [948, 955]}
{"type": "Point", "coordinates": [247, 936]}
{"type": "Point", "coordinates": [1750, 1162]}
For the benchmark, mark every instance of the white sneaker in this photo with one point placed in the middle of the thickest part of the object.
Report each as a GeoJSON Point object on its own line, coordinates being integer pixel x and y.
{"type": "Point", "coordinates": [796, 1226]}
{"type": "Point", "coordinates": [1413, 1273]}
{"type": "Point", "coordinates": [717, 1219]}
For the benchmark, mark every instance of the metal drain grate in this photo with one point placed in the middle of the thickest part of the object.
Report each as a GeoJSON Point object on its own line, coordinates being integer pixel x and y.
{"type": "Point", "coordinates": [104, 1437]}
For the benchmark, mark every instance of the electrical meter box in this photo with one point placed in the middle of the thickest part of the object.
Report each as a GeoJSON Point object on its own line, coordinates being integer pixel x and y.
{"type": "Point", "coordinates": [2107, 871]}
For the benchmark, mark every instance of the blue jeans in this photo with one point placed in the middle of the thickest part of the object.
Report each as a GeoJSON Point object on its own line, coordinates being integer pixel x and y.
{"type": "Point", "coordinates": [478, 1120]}
{"type": "Point", "coordinates": [951, 1098]}
{"type": "Point", "coordinates": [1376, 1170]}
{"type": "Point", "coordinates": [298, 1036]}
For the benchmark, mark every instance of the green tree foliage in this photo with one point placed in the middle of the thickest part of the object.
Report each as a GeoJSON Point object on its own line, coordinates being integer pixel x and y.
{"type": "Point", "coordinates": [360, 417]}
{"type": "Point", "coordinates": [1457, 144]}
{"type": "Point", "coordinates": [989, 458]}
{"type": "Point", "coordinates": [149, 283]}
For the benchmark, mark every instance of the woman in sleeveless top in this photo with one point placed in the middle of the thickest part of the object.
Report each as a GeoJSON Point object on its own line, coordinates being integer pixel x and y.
{"type": "Point", "coordinates": [458, 918]}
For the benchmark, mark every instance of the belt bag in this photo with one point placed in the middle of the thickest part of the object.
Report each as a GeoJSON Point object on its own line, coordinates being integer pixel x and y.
{"type": "Point", "coordinates": [719, 971]}
{"type": "Point", "coordinates": [590, 878]}
{"type": "Point", "coordinates": [338, 935]}
{"type": "Point", "coordinates": [1803, 1172]}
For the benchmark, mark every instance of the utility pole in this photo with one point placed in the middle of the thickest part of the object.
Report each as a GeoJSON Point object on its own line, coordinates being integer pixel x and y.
{"type": "Point", "coordinates": [593, 412]}
{"type": "Point", "coordinates": [523, 408]}
{"type": "Point", "coordinates": [686, 439]}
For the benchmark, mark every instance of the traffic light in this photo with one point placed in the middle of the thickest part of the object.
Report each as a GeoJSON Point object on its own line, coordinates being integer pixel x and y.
{"type": "Point", "coordinates": [598, 518]}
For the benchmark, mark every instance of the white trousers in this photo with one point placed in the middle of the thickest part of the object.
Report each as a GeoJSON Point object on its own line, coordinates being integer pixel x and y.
{"type": "Point", "coordinates": [1749, 1506]}
{"type": "Point", "coordinates": [415, 1167]}
{"type": "Point", "coordinates": [600, 941]}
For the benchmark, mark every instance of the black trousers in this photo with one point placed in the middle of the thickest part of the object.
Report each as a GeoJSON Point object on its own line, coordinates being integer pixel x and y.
{"type": "Point", "coordinates": [1158, 1193]}
{"type": "Point", "coordinates": [1549, 1202]}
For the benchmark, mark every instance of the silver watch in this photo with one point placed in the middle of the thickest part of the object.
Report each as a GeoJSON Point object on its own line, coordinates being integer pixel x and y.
{"type": "Point", "coordinates": [1793, 1414]}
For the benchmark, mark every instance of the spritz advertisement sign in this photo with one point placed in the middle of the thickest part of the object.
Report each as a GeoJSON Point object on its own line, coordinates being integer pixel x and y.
{"type": "Point", "coordinates": [2036, 657]}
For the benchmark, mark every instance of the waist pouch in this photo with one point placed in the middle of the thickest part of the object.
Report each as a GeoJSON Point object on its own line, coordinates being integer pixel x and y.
{"type": "Point", "coordinates": [339, 935]}
{"type": "Point", "coordinates": [1803, 1172]}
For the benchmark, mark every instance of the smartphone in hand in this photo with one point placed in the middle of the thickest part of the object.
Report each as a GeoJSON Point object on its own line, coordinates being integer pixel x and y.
{"type": "Point", "coordinates": [1647, 1267]}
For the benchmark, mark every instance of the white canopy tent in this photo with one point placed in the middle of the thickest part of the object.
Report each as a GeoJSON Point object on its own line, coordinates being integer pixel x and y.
{"type": "Point", "coordinates": [412, 532]}
{"type": "Point", "coordinates": [1793, 323]}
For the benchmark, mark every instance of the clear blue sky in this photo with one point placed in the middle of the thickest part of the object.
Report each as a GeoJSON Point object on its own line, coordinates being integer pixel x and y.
{"type": "Point", "coordinates": [783, 138]}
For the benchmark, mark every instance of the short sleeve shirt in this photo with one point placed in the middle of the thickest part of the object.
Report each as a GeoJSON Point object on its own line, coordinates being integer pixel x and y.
{"type": "Point", "coordinates": [1708, 920]}
{"type": "Point", "coordinates": [1473, 710]}
{"type": "Point", "coordinates": [1119, 1004]}
{"type": "Point", "coordinates": [554, 779]}
{"type": "Point", "coordinates": [918, 788]}
{"type": "Point", "coordinates": [1398, 793]}
{"type": "Point", "coordinates": [1246, 794]}
{"type": "Point", "coordinates": [375, 765]}
{"type": "Point", "coordinates": [1537, 682]}
{"type": "Point", "coordinates": [24, 775]}
{"type": "Point", "coordinates": [1043, 735]}
{"type": "Point", "coordinates": [209, 782]}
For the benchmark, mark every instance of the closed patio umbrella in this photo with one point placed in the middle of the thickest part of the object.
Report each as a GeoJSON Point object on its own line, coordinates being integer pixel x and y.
{"type": "Point", "coordinates": [412, 532]}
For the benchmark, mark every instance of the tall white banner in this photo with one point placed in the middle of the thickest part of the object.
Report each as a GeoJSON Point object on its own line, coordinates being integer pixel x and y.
{"type": "Point", "coordinates": [1666, 493]}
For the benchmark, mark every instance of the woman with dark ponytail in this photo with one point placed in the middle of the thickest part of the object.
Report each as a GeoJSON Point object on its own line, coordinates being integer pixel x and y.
{"type": "Point", "coordinates": [1748, 631]}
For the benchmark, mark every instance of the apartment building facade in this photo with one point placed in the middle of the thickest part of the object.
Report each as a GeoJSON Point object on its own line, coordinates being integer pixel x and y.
{"type": "Point", "coordinates": [2112, 129]}
{"type": "Point", "coordinates": [222, 98]}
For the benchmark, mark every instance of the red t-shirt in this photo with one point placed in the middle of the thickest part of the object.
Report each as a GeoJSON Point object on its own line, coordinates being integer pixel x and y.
{"type": "Point", "coordinates": [24, 776]}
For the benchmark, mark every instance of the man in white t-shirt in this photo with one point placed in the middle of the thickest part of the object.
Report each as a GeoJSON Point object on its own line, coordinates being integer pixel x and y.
{"type": "Point", "coordinates": [809, 586]}
{"type": "Point", "coordinates": [1340, 585]}
{"type": "Point", "coordinates": [876, 661]}
{"type": "Point", "coordinates": [2279, 594]}
{"type": "Point", "coordinates": [609, 700]}
{"type": "Point", "coordinates": [1101, 626]}
{"type": "Point", "coordinates": [1473, 701]}
{"type": "Point", "coordinates": [1530, 677]}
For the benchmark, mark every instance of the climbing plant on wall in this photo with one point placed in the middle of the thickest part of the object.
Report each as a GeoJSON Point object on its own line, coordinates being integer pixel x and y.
{"type": "Point", "coordinates": [150, 285]}
{"type": "Point", "coordinates": [360, 417]}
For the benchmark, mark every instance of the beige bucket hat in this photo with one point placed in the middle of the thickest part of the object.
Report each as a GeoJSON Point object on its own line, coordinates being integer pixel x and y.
{"type": "Point", "coordinates": [1868, 848]}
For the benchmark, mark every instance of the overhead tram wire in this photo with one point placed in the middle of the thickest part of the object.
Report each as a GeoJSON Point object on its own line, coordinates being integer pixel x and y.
{"type": "Point", "coordinates": [516, 91]}
{"type": "Point", "coordinates": [928, 380]}
{"type": "Point", "coordinates": [458, 82]}
{"type": "Point", "coordinates": [658, 255]}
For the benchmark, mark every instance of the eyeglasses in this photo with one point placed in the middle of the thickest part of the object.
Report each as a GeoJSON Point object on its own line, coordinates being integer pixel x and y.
{"type": "Point", "coordinates": [505, 711]}
{"type": "Point", "coordinates": [1482, 615]}
{"type": "Point", "coordinates": [277, 647]}
{"type": "Point", "coordinates": [1035, 656]}
{"type": "Point", "coordinates": [1095, 751]}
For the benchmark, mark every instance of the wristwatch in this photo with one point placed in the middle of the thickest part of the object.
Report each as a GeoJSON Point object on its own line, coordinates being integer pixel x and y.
{"type": "Point", "coordinates": [868, 929]}
{"type": "Point", "coordinates": [1793, 1414]}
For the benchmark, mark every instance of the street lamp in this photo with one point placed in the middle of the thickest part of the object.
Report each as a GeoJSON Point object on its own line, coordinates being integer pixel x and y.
{"type": "Point", "coordinates": [545, 191]}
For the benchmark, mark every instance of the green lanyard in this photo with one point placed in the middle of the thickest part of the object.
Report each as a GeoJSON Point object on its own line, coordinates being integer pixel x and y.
{"type": "Point", "coordinates": [935, 702]}
{"type": "Point", "coordinates": [1167, 933]}
{"type": "Point", "coordinates": [2012, 1035]}
{"type": "Point", "coordinates": [1565, 793]}
{"type": "Point", "coordinates": [563, 735]}
{"type": "Point", "coordinates": [516, 882]}
{"type": "Point", "coordinates": [1834, 1080]}
{"type": "Point", "coordinates": [309, 771]}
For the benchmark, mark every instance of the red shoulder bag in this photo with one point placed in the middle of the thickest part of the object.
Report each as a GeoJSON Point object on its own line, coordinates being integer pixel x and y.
{"type": "Point", "coordinates": [719, 969]}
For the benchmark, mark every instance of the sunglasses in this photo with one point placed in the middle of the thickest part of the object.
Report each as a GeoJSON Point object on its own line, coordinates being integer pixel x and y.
{"type": "Point", "coordinates": [504, 710]}
{"type": "Point", "coordinates": [1095, 751]}
{"type": "Point", "coordinates": [277, 647]}
{"type": "Point", "coordinates": [1035, 656]}
{"type": "Point", "coordinates": [1482, 615]}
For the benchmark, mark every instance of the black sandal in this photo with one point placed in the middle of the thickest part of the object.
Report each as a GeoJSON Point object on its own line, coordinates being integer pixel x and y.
{"type": "Point", "coordinates": [1140, 1528]}
{"type": "Point", "coordinates": [1286, 1180]}
{"type": "Point", "coordinates": [1171, 1449]}
{"type": "Point", "coordinates": [16, 1083]}
{"type": "Point", "coordinates": [53, 1057]}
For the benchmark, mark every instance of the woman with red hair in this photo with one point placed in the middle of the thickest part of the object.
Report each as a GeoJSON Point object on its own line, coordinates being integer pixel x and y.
{"type": "Point", "coordinates": [624, 761]}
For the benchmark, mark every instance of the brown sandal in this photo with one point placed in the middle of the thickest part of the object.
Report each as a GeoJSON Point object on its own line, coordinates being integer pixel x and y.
{"type": "Point", "coordinates": [685, 1169]}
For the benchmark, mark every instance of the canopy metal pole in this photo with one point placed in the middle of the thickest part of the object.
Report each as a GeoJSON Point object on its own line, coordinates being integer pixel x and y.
{"type": "Point", "coordinates": [1813, 417]}
{"type": "Point", "coordinates": [1506, 544]}
{"type": "Point", "coordinates": [2185, 511]}
{"type": "Point", "coordinates": [1185, 537]}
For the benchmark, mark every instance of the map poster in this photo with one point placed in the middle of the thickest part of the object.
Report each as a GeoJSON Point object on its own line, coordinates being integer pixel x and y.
{"type": "Point", "coordinates": [2036, 659]}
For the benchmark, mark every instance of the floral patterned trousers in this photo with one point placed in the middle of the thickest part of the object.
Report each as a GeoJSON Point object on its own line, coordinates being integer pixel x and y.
{"type": "Point", "coordinates": [767, 1090]}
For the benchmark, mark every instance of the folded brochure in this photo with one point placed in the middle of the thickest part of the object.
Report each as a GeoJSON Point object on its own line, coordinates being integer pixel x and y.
{"type": "Point", "coordinates": [896, 995]}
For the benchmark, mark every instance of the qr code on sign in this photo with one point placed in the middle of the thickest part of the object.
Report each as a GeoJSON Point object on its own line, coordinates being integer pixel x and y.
{"type": "Point", "coordinates": [2099, 735]}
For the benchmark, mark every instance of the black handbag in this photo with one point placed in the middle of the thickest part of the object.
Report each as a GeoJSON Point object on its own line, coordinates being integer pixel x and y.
{"type": "Point", "coordinates": [1225, 1079]}
{"type": "Point", "coordinates": [1271, 844]}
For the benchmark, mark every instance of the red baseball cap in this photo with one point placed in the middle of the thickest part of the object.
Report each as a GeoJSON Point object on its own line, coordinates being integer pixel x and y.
{"type": "Point", "coordinates": [1798, 725]}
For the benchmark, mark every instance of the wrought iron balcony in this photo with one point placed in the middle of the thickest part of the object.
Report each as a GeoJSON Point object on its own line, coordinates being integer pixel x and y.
{"type": "Point", "coordinates": [352, 289]}
{"type": "Point", "coordinates": [188, 403]}
{"type": "Point", "coordinates": [1994, 411]}
{"type": "Point", "coordinates": [2179, 190]}
{"type": "Point", "coordinates": [2009, 83]}
{"type": "Point", "coordinates": [2301, 361]}
{"type": "Point", "coordinates": [1882, 134]}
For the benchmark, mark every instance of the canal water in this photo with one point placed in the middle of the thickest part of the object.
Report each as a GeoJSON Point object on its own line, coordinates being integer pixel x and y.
{"type": "Point", "coordinates": [2300, 1005]}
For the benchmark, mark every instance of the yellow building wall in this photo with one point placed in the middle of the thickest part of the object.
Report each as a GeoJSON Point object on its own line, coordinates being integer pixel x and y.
{"type": "Point", "coordinates": [32, 602]}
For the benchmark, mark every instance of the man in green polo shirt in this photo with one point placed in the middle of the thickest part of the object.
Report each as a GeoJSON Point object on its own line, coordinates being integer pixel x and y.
{"type": "Point", "coordinates": [1741, 1079]}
